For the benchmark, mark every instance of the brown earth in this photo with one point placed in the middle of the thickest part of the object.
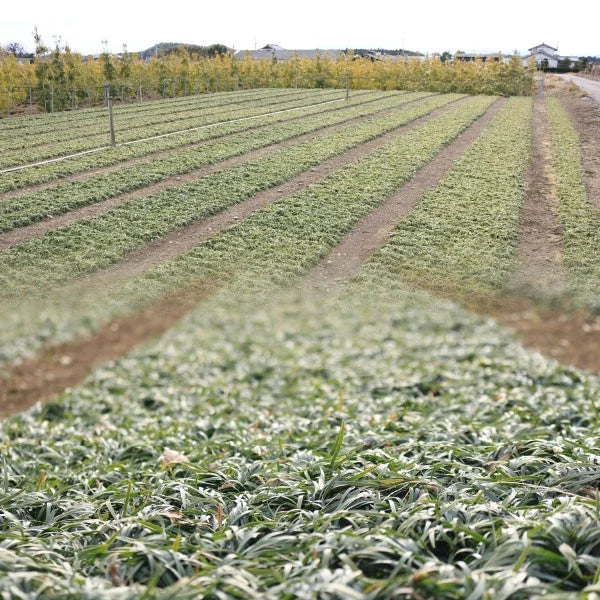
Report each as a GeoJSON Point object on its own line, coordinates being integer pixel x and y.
{"type": "Point", "coordinates": [539, 269]}
{"type": "Point", "coordinates": [61, 366]}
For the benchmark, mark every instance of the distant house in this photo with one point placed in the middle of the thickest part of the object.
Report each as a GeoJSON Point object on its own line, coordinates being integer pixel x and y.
{"type": "Point", "coordinates": [273, 51]}
{"type": "Point", "coordinates": [543, 52]}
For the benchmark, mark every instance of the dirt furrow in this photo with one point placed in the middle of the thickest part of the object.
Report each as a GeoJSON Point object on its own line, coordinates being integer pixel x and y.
{"type": "Point", "coordinates": [373, 230]}
{"type": "Point", "coordinates": [28, 189]}
{"type": "Point", "coordinates": [539, 270]}
{"type": "Point", "coordinates": [39, 228]}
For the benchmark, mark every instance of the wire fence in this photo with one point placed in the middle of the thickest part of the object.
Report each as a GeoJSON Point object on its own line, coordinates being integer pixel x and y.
{"type": "Point", "coordinates": [51, 98]}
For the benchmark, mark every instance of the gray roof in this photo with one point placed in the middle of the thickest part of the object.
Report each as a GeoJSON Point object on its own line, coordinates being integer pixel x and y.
{"type": "Point", "coordinates": [273, 50]}
{"type": "Point", "coordinates": [543, 44]}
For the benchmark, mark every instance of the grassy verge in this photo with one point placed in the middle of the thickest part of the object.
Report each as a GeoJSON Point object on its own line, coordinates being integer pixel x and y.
{"type": "Point", "coordinates": [388, 450]}
{"type": "Point", "coordinates": [580, 221]}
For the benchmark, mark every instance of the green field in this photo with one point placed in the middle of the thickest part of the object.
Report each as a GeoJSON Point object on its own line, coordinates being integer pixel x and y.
{"type": "Point", "coordinates": [374, 441]}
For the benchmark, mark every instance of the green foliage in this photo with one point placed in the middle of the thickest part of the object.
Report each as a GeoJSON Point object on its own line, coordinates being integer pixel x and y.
{"type": "Point", "coordinates": [580, 221]}
{"type": "Point", "coordinates": [463, 233]}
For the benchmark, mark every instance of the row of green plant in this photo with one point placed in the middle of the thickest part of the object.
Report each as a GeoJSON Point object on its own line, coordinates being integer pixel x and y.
{"type": "Point", "coordinates": [92, 244]}
{"type": "Point", "coordinates": [25, 209]}
{"type": "Point", "coordinates": [20, 139]}
{"type": "Point", "coordinates": [579, 219]}
{"type": "Point", "coordinates": [82, 143]}
{"type": "Point", "coordinates": [396, 448]}
{"type": "Point", "coordinates": [44, 122]}
{"type": "Point", "coordinates": [462, 235]}
{"type": "Point", "coordinates": [269, 248]}
{"type": "Point", "coordinates": [116, 155]}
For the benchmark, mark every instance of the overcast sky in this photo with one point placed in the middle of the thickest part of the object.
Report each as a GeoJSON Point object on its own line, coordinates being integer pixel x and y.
{"type": "Point", "coordinates": [428, 26]}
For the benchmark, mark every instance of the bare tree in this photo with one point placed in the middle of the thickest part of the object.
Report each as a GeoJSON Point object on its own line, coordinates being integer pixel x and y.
{"type": "Point", "coordinates": [15, 48]}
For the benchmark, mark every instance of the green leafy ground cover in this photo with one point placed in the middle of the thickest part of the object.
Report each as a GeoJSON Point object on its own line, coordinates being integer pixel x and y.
{"type": "Point", "coordinates": [91, 244]}
{"type": "Point", "coordinates": [397, 449]}
{"type": "Point", "coordinates": [272, 246]}
{"type": "Point", "coordinates": [95, 133]}
{"type": "Point", "coordinates": [88, 115]}
{"type": "Point", "coordinates": [30, 128]}
{"type": "Point", "coordinates": [580, 221]}
{"type": "Point", "coordinates": [463, 233]}
{"type": "Point", "coordinates": [113, 156]}
{"type": "Point", "coordinates": [27, 155]}
{"type": "Point", "coordinates": [28, 208]}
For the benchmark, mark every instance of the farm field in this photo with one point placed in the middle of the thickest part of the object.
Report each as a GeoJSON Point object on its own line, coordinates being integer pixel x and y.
{"type": "Point", "coordinates": [259, 348]}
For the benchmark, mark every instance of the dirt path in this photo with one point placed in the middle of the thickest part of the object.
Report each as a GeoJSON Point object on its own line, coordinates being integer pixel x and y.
{"type": "Point", "coordinates": [39, 228]}
{"type": "Point", "coordinates": [65, 365]}
{"type": "Point", "coordinates": [539, 271]}
{"type": "Point", "coordinates": [372, 231]}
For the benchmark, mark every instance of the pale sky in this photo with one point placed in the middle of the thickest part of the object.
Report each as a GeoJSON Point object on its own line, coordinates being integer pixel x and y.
{"type": "Point", "coordinates": [428, 26]}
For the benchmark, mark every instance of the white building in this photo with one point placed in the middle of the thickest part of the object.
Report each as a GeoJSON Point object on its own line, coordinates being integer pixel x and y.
{"type": "Point", "coordinates": [541, 53]}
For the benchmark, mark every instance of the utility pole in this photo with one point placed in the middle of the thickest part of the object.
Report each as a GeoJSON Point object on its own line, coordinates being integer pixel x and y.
{"type": "Point", "coordinates": [347, 85]}
{"type": "Point", "coordinates": [111, 124]}
{"type": "Point", "coordinates": [51, 97]}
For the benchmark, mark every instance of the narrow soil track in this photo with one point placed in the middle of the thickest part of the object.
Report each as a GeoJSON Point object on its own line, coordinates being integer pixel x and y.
{"type": "Point", "coordinates": [372, 231]}
{"type": "Point", "coordinates": [65, 365]}
{"type": "Point", "coordinates": [539, 269]}
{"type": "Point", "coordinates": [22, 234]}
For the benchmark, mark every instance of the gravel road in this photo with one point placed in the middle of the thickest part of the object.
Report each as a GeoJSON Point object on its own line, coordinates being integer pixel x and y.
{"type": "Point", "coordinates": [587, 85]}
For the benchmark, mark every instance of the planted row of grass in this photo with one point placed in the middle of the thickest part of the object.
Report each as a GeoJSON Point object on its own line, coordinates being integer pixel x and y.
{"type": "Point", "coordinates": [28, 208]}
{"type": "Point", "coordinates": [92, 244]}
{"type": "Point", "coordinates": [113, 156]}
{"type": "Point", "coordinates": [129, 113]}
{"type": "Point", "coordinates": [580, 221]}
{"type": "Point", "coordinates": [128, 128]}
{"type": "Point", "coordinates": [30, 155]}
{"type": "Point", "coordinates": [84, 116]}
{"type": "Point", "coordinates": [270, 248]}
{"type": "Point", "coordinates": [396, 449]}
{"type": "Point", "coordinates": [462, 235]}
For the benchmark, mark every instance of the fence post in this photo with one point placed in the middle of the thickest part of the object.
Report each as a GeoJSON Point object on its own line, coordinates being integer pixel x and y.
{"type": "Point", "coordinates": [347, 85]}
{"type": "Point", "coordinates": [89, 98]}
{"type": "Point", "coordinates": [73, 104]}
{"type": "Point", "coordinates": [111, 124]}
{"type": "Point", "coordinates": [51, 97]}
{"type": "Point", "coordinates": [140, 91]}
{"type": "Point", "coordinates": [7, 104]}
{"type": "Point", "coordinates": [30, 101]}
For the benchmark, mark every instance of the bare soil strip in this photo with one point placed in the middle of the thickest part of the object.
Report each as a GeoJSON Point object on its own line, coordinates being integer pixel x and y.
{"type": "Point", "coordinates": [539, 270]}
{"type": "Point", "coordinates": [22, 234]}
{"type": "Point", "coordinates": [27, 189]}
{"type": "Point", "coordinates": [58, 367]}
{"type": "Point", "coordinates": [585, 116]}
{"type": "Point", "coordinates": [372, 231]}
{"type": "Point", "coordinates": [65, 365]}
